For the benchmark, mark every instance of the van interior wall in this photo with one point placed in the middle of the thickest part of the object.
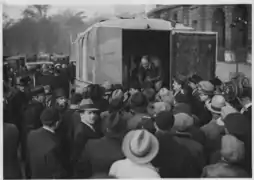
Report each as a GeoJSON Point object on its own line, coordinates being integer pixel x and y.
{"type": "Point", "coordinates": [137, 43]}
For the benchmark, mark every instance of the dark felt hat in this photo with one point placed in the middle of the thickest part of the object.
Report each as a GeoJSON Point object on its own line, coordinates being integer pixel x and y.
{"type": "Point", "coordinates": [150, 94]}
{"type": "Point", "coordinates": [76, 98]}
{"type": "Point", "coordinates": [238, 125]}
{"type": "Point", "coordinates": [181, 98]}
{"type": "Point", "coordinates": [182, 108]}
{"type": "Point", "coordinates": [116, 123]}
{"type": "Point", "coordinates": [39, 90]}
{"type": "Point", "coordinates": [59, 93]}
{"type": "Point", "coordinates": [24, 81]}
{"type": "Point", "coordinates": [164, 120]}
{"type": "Point", "coordinates": [195, 79]}
{"type": "Point", "coordinates": [216, 81]}
{"type": "Point", "coordinates": [180, 79]}
{"type": "Point", "coordinates": [49, 116]}
{"type": "Point", "coordinates": [138, 100]}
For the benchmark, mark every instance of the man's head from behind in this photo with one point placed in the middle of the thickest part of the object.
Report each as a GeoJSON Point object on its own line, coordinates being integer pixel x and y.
{"type": "Point", "coordinates": [50, 118]}
{"type": "Point", "coordinates": [164, 121]}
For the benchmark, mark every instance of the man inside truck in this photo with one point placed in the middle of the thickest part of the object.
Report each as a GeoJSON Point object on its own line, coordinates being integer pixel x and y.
{"type": "Point", "coordinates": [150, 72]}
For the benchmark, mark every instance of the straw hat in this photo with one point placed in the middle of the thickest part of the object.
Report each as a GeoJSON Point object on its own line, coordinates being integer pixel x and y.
{"type": "Point", "coordinates": [140, 146]}
{"type": "Point", "coordinates": [216, 105]}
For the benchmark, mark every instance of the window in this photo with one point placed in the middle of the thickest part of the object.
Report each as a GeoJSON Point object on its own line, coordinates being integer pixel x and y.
{"type": "Point", "coordinates": [90, 56]}
{"type": "Point", "coordinates": [81, 58]}
{"type": "Point", "coordinates": [175, 17]}
{"type": "Point", "coordinates": [194, 24]}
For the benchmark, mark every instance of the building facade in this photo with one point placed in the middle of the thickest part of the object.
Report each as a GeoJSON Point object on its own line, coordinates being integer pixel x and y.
{"type": "Point", "coordinates": [231, 22]}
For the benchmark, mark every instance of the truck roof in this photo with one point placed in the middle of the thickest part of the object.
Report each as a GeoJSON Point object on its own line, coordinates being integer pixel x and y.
{"type": "Point", "coordinates": [15, 57]}
{"type": "Point", "coordinates": [138, 23]}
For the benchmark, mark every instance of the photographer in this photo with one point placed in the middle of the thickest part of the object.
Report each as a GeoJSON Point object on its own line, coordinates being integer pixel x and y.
{"type": "Point", "coordinates": [246, 103]}
{"type": "Point", "coordinates": [238, 93]}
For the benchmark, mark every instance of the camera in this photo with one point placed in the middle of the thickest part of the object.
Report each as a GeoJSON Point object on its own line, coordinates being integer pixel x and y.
{"type": "Point", "coordinates": [235, 87]}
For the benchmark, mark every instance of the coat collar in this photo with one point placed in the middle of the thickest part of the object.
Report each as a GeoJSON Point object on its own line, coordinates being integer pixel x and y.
{"type": "Point", "coordinates": [89, 125]}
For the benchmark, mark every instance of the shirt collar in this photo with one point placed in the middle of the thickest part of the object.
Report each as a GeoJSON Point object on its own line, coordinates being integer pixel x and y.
{"type": "Point", "coordinates": [220, 122]}
{"type": "Point", "coordinates": [74, 106]}
{"type": "Point", "coordinates": [48, 129]}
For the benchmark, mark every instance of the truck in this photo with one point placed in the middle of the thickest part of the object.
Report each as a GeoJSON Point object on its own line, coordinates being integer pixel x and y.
{"type": "Point", "coordinates": [110, 50]}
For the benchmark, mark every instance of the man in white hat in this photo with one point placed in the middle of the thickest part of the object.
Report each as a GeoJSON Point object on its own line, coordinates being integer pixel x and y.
{"type": "Point", "coordinates": [214, 129]}
{"type": "Point", "coordinates": [139, 147]}
{"type": "Point", "coordinates": [216, 105]}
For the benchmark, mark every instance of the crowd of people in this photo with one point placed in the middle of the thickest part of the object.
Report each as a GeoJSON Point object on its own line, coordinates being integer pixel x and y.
{"type": "Point", "coordinates": [108, 131]}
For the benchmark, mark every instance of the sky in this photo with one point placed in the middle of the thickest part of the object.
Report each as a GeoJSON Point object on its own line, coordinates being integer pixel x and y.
{"type": "Point", "coordinates": [14, 11]}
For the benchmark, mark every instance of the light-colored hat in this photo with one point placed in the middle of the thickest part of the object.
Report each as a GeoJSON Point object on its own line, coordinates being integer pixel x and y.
{"type": "Point", "coordinates": [183, 121]}
{"type": "Point", "coordinates": [161, 106]}
{"type": "Point", "coordinates": [164, 92]}
{"type": "Point", "coordinates": [216, 105]}
{"type": "Point", "coordinates": [117, 94]}
{"type": "Point", "coordinates": [107, 85]}
{"type": "Point", "coordinates": [232, 149]}
{"type": "Point", "coordinates": [206, 87]}
{"type": "Point", "coordinates": [57, 65]}
{"type": "Point", "coordinates": [140, 146]}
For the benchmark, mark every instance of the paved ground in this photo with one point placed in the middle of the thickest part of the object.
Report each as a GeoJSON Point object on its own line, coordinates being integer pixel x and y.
{"type": "Point", "coordinates": [223, 70]}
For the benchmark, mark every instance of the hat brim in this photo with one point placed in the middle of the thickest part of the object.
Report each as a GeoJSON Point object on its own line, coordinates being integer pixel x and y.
{"type": "Point", "coordinates": [140, 160]}
{"type": "Point", "coordinates": [88, 109]}
{"type": "Point", "coordinates": [209, 107]}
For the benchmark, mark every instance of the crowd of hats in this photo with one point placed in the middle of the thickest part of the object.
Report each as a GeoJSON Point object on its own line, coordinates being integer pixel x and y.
{"type": "Point", "coordinates": [165, 111]}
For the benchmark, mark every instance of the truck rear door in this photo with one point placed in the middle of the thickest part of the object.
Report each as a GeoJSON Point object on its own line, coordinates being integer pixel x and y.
{"type": "Point", "coordinates": [193, 52]}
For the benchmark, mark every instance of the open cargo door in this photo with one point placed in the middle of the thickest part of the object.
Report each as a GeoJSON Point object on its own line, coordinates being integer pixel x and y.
{"type": "Point", "coordinates": [193, 52]}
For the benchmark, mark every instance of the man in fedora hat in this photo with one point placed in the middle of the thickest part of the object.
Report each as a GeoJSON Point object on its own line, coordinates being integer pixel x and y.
{"type": "Point", "coordinates": [139, 147]}
{"type": "Point", "coordinates": [59, 100]}
{"type": "Point", "coordinates": [193, 82]}
{"type": "Point", "coordinates": [18, 103]}
{"type": "Point", "coordinates": [215, 128]}
{"type": "Point", "coordinates": [100, 154]}
{"type": "Point", "coordinates": [84, 131]}
{"type": "Point", "coordinates": [205, 94]}
{"type": "Point", "coordinates": [70, 120]}
{"type": "Point", "coordinates": [206, 91]}
{"type": "Point", "coordinates": [246, 103]}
